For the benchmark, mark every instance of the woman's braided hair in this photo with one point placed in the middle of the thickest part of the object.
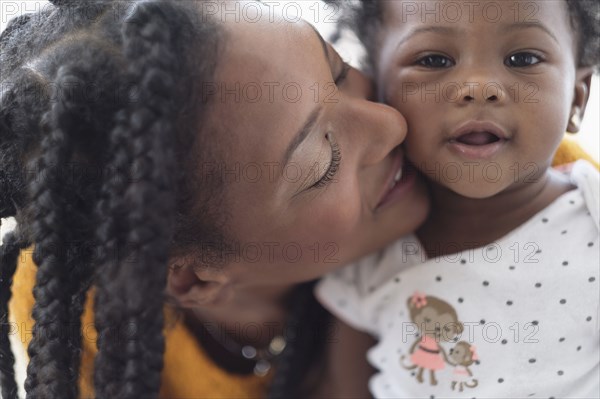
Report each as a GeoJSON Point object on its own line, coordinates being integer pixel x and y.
{"type": "Point", "coordinates": [364, 18]}
{"type": "Point", "coordinates": [99, 123]}
{"type": "Point", "coordinates": [93, 151]}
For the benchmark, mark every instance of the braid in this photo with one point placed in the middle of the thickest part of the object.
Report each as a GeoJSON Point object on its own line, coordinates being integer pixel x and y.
{"type": "Point", "coordinates": [9, 252]}
{"type": "Point", "coordinates": [128, 296]}
{"type": "Point", "coordinates": [50, 366]}
{"type": "Point", "coordinates": [110, 213]}
{"type": "Point", "coordinates": [79, 283]}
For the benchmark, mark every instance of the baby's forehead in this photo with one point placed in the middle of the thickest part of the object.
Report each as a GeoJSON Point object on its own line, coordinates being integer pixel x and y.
{"type": "Point", "coordinates": [471, 18]}
{"type": "Point", "coordinates": [464, 13]}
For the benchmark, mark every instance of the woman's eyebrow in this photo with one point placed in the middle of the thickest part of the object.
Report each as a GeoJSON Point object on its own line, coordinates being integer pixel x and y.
{"type": "Point", "coordinates": [441, 30]}
{"type": "Point", "coordinates": [302, 134]}
{"type": "Point", "coordinates": [314, 115]}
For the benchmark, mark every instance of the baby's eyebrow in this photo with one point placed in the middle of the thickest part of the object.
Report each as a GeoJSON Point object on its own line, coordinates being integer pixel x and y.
{"type": "Point", "coordinates": [442, 30]}
{"type": "Point", "coordinates": [447, 30]}
{"type": "Point", "coordinates": [529, 25]}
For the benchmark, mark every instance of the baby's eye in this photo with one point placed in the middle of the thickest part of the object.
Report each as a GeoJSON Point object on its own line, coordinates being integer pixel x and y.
{"type": "Point", "coordinates": [520, 60]}
{"type": "Point", "coordinates": [435, 61]}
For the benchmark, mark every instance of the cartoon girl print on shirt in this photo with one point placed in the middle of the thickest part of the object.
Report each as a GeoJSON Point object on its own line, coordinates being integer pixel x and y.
{"type": "Point", "coordinates": [436, 322]}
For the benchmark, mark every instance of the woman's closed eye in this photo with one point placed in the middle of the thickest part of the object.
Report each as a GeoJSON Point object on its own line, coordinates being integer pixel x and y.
{"type": "Point", "coordinates": [336, 155]}
{"type": "Point", "coordinates": [334, 165]}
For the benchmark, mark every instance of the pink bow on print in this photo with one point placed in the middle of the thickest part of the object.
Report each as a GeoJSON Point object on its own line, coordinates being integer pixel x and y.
{"type": "Point", "coordinates": [418, 300]}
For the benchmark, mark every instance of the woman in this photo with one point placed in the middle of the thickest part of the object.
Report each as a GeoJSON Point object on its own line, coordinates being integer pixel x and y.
{"type": "Point", "coordinates": [160, 147]}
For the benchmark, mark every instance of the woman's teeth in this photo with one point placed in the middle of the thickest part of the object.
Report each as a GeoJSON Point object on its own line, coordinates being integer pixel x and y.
{"type": "Point", "coordinates": [397, 178]}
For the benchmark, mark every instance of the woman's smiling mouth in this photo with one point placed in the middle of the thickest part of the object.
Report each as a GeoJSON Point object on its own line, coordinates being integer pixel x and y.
{"type": "Point", "coordinates": [400, 179]}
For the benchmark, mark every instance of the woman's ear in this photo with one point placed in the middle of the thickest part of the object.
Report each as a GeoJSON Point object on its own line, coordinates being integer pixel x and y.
{"type": "Point", "coordinates": [583, 81]}
{"type": "Point", "coordinates": [193, 285]}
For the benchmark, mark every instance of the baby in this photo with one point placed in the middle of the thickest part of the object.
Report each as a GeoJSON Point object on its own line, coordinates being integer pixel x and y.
{"type": "Point", "coordinates": [508, 261]}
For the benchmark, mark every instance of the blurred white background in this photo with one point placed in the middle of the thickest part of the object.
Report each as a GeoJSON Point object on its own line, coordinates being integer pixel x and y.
{"type": "Point", "coordinates": [323, 17]}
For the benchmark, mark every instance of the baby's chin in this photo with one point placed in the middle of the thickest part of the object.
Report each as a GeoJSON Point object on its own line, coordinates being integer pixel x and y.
{"type": "Point", "coordinates": [474, 189]}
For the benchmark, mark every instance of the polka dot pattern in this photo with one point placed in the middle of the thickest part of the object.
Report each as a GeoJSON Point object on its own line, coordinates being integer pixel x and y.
{"type": "Point", "coordinates": [513, 309]}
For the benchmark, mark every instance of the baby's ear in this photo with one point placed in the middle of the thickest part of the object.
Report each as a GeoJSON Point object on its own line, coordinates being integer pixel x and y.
{"type": "Point", "coordinates": [583, 82]}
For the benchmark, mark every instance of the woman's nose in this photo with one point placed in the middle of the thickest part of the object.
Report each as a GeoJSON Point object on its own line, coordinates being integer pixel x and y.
{"type": "Point", "coordinates": [388, 132]}
{"type": "Point", "coordinates": [378, 127]}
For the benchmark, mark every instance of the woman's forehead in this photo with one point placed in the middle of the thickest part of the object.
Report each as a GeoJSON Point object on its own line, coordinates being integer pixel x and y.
{"type": "Point", "coordinates": [265, 74]}
{"type": "Point", "coordinates": [276, 47]}
{"type": "Point", "coordinates": [263, 89]}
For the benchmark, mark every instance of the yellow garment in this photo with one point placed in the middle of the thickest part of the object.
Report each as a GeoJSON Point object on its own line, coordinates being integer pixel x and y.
{"type": "Point", "coordinates": [188, 372]}
{"type": "Point", "coordinates": [569, 151]}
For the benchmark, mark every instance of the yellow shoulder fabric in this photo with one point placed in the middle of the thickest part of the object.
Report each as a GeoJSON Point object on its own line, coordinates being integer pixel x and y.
{"type": "Point", "coordinates": [569, 151]}
{"type": "Point", "coordinates": [187, 372]}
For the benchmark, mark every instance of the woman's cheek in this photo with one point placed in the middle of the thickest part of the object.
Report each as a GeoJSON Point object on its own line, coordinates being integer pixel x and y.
{"type": "Point", "coordinates": [341, 215]}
